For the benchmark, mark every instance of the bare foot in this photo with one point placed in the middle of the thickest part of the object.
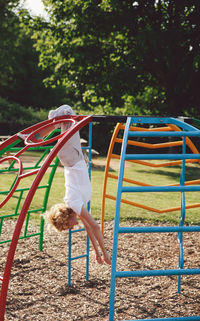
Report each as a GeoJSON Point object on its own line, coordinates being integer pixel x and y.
{"type": "Point", "coordinates": [99, 259]}
{"type": "Point", "coordinates": [107, 258]}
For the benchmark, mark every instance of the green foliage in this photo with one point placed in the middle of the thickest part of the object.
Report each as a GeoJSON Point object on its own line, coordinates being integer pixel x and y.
{"type": "Point", "coordinates": [21, 79]}
{"type": "Point", "coordinates": [106, 51]}
{"type": "Point", "coordinates": [14, 117]}
{"type": "Point", "coordinates": [105, 57]}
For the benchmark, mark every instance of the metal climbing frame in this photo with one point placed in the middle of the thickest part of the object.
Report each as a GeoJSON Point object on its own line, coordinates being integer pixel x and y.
{"type": "Point", "coordinates": [117, 140]}
{"type": "Point", "coordinates": [20, 192]}
{"type": "Point", "coordinates": [32, 132]}
{"type": "Point", "coordinates": [185, 131]}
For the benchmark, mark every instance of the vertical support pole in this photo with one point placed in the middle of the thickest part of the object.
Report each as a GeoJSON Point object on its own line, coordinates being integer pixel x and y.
{"type": "Point", "coordinates": [1, 224]}
{"type": "Point", "coordinates": [182, 216]}
{"type": "Point", "coordinates": [116, 223]}
{"type": "Point", "coordinates": [41, 234]}
{"type": "Point", "coordinates": [89, 171]}
{"type": "Point", "coordinates": [69, 256]}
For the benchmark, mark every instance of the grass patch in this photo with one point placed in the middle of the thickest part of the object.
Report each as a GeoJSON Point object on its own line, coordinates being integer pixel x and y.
{"type": "Point", "coordinates": [154, 176]}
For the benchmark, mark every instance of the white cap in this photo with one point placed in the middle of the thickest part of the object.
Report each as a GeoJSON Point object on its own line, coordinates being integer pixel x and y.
{"type": "Point", "coordinates": [61, 111]}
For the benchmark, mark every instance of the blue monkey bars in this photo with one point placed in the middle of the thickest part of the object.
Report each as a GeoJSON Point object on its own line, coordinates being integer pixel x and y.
{"type": "Point", "coordinates": [186, 130]}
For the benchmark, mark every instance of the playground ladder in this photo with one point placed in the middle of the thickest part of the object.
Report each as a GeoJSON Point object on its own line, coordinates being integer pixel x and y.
{"type": "Point", "coordinates": [187, 131]}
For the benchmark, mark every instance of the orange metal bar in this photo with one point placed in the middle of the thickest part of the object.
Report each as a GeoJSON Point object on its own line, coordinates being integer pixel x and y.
{"type": "Point", "coordinates": [172, 209]}
{"type": "Point", "coordinates": [128, 180]}
{"type": "Point", "coordinates": [115, 139]}
{"type": "Point", "coordinates": [156, 165]}
{"type": "Point", "coordinates": [151, 146]}
{"type": "Point", "coordinates": [115, 133]}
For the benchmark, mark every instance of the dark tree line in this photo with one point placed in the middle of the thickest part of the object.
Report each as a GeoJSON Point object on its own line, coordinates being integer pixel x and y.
{"type": "Point", "coordinates": [109, 56]}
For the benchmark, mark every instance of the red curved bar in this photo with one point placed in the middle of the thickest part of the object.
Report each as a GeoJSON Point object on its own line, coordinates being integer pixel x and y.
{"type": "Point", "coordinates": [9, 262]}
{"type": "Point", "coordinates": [48, 141]}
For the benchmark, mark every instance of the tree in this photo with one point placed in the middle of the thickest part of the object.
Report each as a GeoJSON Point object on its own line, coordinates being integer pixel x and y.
{"type": "Point", "coordinates": [105, 51]}
{"type": "Point", "coordinates": [21, 79]}
{"type": "Point", "coordinates": [7, 39]}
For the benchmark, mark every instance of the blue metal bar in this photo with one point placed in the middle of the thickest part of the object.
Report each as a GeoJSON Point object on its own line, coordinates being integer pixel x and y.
{"type": "Point", "coordinates": [78, 257]}
{"type": "Point", "coordinates": [182, 218]}
{"type": "Point", "coordinates": [158, 229]}
{"type": "Point", "coordinates": [116, 223]}
{"type": "Point", "coordinates": [163, 134]}
{"type": "Point", "coordinates": [128, 189]}
{"type": "Point", "coordinates": [161, 156]}
{"type": "Point", "coordinates": [69, 256]}
{"type": "Point", "coordinates": [192, 318]}
{"type": "Point", "coordinates": [87, 257]}
{"type": "Point", "coordinates": [89, 171]}
{"type": "Point", "coordinates": [78, 230]}
{"type": "Point", "coordinates": [144, 273]}
{"type": "Point", "coordinates": [188, 130]}
{"type": "Point", "coordinates": [90, 149]}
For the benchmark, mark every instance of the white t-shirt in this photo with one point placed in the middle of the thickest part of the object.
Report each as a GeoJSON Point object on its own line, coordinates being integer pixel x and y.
{"type": "Point", "coordinates": [71, 152]}
{"type": "Point", "coordinates": [77, 186]}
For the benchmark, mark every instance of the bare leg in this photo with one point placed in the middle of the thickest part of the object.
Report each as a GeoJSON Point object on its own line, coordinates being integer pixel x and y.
{"type": "Point", "coordinates": [94, 229]}
{"type": "Point", "coordinates": [93, 240]}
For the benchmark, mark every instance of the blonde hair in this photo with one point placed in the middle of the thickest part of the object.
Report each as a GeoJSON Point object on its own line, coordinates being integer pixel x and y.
{"type": "Point", "coordinates": [58, 216]}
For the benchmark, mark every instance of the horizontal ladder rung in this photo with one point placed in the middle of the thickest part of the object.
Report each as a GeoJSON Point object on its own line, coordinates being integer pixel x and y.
{"type": "Point", "coordinates": [78, 257]}
{"type": "Point", "coordinates": [144, 273]}
{"type": "Point", "coordinates": [129, 189]}
{"type": "Point", "coordinates": [192, 318]}
{"type": "Point", "coordinates": [158, 229]}
{"type": "Point", "coordinates": [164, 134]}
{"type": "Point", "coordinates": [161, 156]}
{"type": "Point", "coordinates": [78, 230]}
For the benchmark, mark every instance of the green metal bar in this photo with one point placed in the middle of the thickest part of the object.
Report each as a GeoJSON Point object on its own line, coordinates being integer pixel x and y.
{"type": "Point", "coordinates": [29, 211]}
{"type": "Point", "coordinates": [38, 148]}
{"type": "Point", "coordinates": [21, 238]}
{"type": "Point", "coordinates": [13, 183]}
{"type": "Point", "coordinates": [23, 189]}
{"type": "Point", "coordinates": [8, 148]}
{"type": "Point", "coordinates": [1, 224]}
{"type": "Point", "coordinates": [42, 157]}
{"type": "Point", "coordinates": [24, 168]}
{"type": "Point", "coordinates": [46, 196]}
{"type": "Point", "coordinates": [16, 169]}
{"type": "Point", "coordinates": [19, 200]}
{"type": "Point", "coordinates": [26, 225]}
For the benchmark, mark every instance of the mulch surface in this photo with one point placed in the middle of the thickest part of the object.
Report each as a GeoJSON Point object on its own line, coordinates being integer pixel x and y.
{"type": "Point", "coordinates": [38, 289]}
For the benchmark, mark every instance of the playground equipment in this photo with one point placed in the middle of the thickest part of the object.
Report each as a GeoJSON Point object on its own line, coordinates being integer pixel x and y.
{"type": "Point", "coordinates": [38, 170]}
{"type": "Point", "coordinates": [117, 140]}
{"type": "Point", "coordinates": [170, 127]}
{"type": "Point", "coordinates": [176, 129]}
